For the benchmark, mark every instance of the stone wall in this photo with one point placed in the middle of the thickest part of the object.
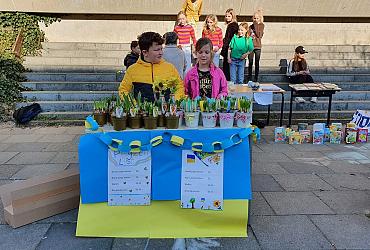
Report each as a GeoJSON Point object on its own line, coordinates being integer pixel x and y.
{"type": "Point", "coordinates": [311, 8]}
{"type": "Point", "coordinates": [118, 31]}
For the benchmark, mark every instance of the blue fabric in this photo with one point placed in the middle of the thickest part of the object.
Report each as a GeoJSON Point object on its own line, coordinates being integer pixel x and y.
{"type": "Point", "coordinates": [237, 70]}
{"type": "Point", "coordinates": [166, 163]}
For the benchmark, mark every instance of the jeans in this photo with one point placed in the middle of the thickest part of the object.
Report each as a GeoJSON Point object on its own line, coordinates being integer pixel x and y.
{"type": "Point", "coordinates": [256, 52]}
{"type": "Point", "coordinates": [226, 68]}
{"type": "Point", "coordinates": [187, 51]}
{"type": "Point", "coordinates": [216, 58]}
{"type": "Point", "coordinates": [237, 70]}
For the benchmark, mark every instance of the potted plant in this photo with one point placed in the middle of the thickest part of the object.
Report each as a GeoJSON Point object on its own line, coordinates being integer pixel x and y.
{"type": "Point", "coordinates": [209, 115]}
{"type": "Point", "coordinates": [191, 113]}
{"type": "Point", "coordinates": [244, 116]}
{"type": "Point", "coordinates": [172, 85]}
{"type": "Point", "coordinates": [150, 115]}
{"type": "Point", "coordinates": [172, 120]}
{"type": "Point", "coordinates": [100, 112]}
{"type": "Point", "coordinates": [180, 111]}
{"type": "Point", "coordinates": [135, 118]}
{"type": "Point", "coordinates": [111, 104]}
{"type": "Point", "coordinates": [161, 115]}
{"type": "Point", "coordinates": [119, 115]}
{"type": "Point", "coordinates": [226, 113]}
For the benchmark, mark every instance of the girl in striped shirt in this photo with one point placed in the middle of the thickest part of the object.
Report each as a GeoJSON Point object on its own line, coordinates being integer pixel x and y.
{"type": "Point", "coordinates": [185, 32]}
{"type": "Point", "coordinates": [214, 33]}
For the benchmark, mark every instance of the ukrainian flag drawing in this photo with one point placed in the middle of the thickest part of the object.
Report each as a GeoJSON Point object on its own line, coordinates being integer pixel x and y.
{"type": "Point", "coordinates": [190, 158]}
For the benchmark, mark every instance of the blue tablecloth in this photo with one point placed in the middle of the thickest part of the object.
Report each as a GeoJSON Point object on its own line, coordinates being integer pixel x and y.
{"type": "Point", "coordinates": [166, 163]}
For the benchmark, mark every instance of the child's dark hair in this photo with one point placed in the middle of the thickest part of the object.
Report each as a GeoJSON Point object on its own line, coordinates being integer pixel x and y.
{"type": "Point", "coordinates": [134, 44]}
{"type": "Point", "coordinates": [170, 37]}
{"type": "Point", "coordinates": [148, 38]}
{"type": "Point", "coordinates": [203, 42]}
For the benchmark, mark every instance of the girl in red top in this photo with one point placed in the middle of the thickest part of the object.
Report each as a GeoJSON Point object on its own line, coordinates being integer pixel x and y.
{"type": "Point", "coordinates": [213, 33]}
{"type": "Point", "coordinates": [186, 35]}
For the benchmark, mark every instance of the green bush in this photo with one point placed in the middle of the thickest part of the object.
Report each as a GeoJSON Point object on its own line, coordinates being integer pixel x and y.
{"type": "Point", "coordinates": [10, 87]}
{"type": "Point", "coordinates": [11, 68]}
{"type": "Point", "coordinates": [12, 22]}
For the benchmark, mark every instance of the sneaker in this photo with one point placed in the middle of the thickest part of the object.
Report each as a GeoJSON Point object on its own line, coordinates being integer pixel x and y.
{"type": "Point", "coordinates": [299, 100]}
{"type": "Point", "coordinates": [314, 99]}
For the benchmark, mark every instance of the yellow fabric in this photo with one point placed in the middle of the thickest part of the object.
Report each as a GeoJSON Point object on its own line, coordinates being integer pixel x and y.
{"type": "Point", "coordinates": [162, 219]}
{"type": "Point", "coordinates": [144, 72]}
{"type": "Point", "coordinates": [192, 11]}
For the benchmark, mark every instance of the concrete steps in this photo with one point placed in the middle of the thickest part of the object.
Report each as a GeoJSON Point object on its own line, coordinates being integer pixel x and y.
{"type": "Point", "coordinates": [345, 95]}
{"type": "Point", "coordinates": [68, 77]}
{"type": "Point", "coordinates": [102, 57]}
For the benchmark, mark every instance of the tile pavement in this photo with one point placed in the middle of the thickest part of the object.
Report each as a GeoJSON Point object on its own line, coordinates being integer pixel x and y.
{"type": "Point", "coordinates": [305, 196]}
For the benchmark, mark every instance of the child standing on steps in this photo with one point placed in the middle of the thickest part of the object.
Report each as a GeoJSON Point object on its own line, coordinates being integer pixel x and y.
{"type": "Point", "coordinates": [240, 46]}
{"type": "Point", "coordinates": [186, 35]}
{"type": "Point", "coordinates": [256, 31]}
{"type": "Point", "coordinates": [213, 33]}
{"type": "Point", "coordinates": [192, 9]}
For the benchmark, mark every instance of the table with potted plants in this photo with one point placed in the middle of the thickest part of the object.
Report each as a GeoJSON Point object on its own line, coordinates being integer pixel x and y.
{"type": "Point", "coordinates": [166, 127]}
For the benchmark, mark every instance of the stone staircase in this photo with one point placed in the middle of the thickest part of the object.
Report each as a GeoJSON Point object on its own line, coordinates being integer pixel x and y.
{"type": "Point", "coordinates": [70, 76]}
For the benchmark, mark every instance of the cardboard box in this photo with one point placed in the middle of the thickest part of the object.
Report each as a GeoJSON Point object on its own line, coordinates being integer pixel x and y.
{"type": "Point", "coordinates": [279, 134]}
{"type": "Point", "coordinates": [351, 135]}
{"type": "Point", "coordinates": [40, 197]}
{"type": "Point", "coordinates": [362, 135]}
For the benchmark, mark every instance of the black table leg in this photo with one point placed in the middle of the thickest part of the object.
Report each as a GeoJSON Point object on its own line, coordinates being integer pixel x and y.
{"type": "Point", "coordinates": [268, 115]}
{"type": "Point", "coordinates": [282, 109]}
{"type": "Point", "coordinates": [329, 110]}
{"type": "Point", "coordinates": [290, 108]}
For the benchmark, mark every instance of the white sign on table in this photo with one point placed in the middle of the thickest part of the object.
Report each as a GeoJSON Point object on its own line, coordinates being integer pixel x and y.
{"type": "Point", "coordinates": [202, 180]}
{"type": "Point", "coordinates": [129, 178]}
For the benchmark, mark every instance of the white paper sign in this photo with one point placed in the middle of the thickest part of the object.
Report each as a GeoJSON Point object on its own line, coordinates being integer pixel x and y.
{"type": "Point", "coordinates": [202, 180]}
{"type": "Point", "coordinates": [129, 178]}
{"type": "Point", "coordinates": [362, 119]}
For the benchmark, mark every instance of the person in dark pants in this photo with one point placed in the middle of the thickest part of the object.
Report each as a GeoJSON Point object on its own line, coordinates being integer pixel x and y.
{"type": "Point", "coordinates": [133, 56]}
{"type": "Point", "coordinates": [231, 30]}
{"type": "Point", "coordinates": [256, 30]}
{"type": "Point", "coordinates": [298, 71]}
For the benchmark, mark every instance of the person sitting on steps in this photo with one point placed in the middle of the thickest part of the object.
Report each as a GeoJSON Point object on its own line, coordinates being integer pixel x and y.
{"type": "Point", "coordinates": [298, 71]}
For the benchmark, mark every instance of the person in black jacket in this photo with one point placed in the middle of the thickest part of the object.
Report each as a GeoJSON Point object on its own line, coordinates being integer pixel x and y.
{"type": "Point", "coordinates": [132, 57]}
{"type": "Point", "coordinates": [232, 28]}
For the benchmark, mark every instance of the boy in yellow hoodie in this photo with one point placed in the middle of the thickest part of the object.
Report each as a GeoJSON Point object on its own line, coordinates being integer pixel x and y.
{"type": "Point", "coordinates": [150, 67]}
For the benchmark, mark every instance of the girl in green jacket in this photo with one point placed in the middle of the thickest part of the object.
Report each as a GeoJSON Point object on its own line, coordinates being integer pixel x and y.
{"type": "Point", "coordinates": [240, 46]}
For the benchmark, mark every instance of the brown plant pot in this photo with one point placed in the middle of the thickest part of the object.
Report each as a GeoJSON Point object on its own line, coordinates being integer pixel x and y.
{"type": "Point", "coordinates": [161, 121]}
{"type": "Point", "coordinates": [119, 123]}
{"type": "Point", "coordinates": [100, 118]}
{"type": "Point", "coordinates": [150, 122]}
{"type": "Point", "coordinates": [134, 122]}
{"type": "Point", "coordinates": [172, 122]}
{"type": "Point", "coordinates": [110, 118]}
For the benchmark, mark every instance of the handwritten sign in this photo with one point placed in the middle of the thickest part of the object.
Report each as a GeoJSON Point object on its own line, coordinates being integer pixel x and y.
{"type": "Point", "coordinates": [202, 180]}
{"type": "Point", "coordinates": [129, 178]}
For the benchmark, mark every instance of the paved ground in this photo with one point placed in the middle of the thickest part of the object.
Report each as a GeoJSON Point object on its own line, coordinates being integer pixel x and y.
{"type": "Point", "coordinates": [305, 196]}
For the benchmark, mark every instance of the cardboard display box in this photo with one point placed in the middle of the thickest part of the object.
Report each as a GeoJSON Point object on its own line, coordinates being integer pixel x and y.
{"type": "Point", "coordinates": [40, 197]}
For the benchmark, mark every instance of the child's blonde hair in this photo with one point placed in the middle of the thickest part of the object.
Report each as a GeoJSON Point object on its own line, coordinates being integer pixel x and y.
{"type": "Point", "coordinates": [233, 14]}
{"type": "Point", "coordinates": [258, 13]}
{"type": "Point", "coordinates": [181, 13]}
{"type": "Point", "coordinates": [214, 19]}
{"type": "Point", "coordinates": [245, 26]}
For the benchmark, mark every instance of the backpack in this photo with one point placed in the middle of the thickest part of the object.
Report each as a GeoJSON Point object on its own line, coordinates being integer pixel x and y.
{"type": "Point", "coordinates": [25, 114]}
